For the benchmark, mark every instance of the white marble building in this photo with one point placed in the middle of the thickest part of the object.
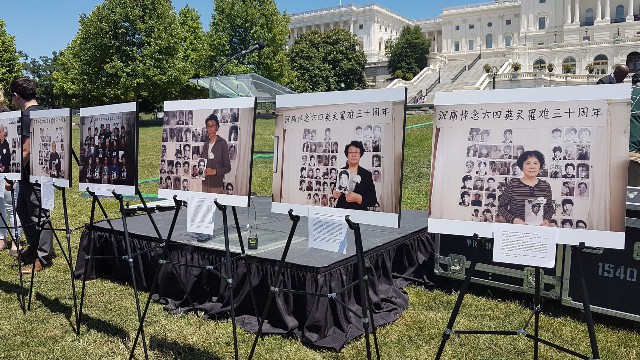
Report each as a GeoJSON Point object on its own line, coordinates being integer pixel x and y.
{"type": "Point", "coordinates": [533, 32]}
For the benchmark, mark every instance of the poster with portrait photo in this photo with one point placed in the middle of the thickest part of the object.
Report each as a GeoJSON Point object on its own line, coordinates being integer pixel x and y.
{"type": "Point", "coordinates": [50, 136]}
{"type": "Point", "coordinates": [10, 146]}
{"type": "Point", "coordinates": [319, 135]}
{"type": "Point", "coordinates": [109, 149]}
{"type": "Point", "coordinates": [537, 160]}
{"type": "Point", "coordinates": [207, 147]}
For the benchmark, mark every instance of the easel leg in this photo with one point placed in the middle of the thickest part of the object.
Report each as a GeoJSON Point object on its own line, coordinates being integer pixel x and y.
{"type": "Point", "coordinates": [127, 242]}
{"type": "Point", "coordinates": [88, 259]}
{"type": "Point", "coordinates": [69, 257]}
{"type": "Point", "coordinates": [456, 308]}
{"type": "Point", "coordinates": [536, 309]}
{"type": "Point", "coordinates": [16, 240]}
{"type": "Point", "coordinates": [154, 284]}
{"type": "Point", "coordinates": [274, 289]}
{"type": "Point", "coordinates": [39, 227]}
{"type": "Point", "coordinates": [244, 258]}
{"type": "Point", "coordinates": [585, 303]}
{"type": "Point", "coordinates": [229, 274]}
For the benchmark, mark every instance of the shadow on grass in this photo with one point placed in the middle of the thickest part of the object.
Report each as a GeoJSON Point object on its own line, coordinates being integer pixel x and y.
{"type": "Point", "coordinates": [11, 288]}
{"type": "Point", "coordinates": [173, 349]}
{"type": "Point", "coordinates": [104, 327]}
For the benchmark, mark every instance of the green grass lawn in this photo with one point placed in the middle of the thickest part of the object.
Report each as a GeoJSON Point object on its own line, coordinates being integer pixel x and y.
{"type": "Point", "coordinates": [110, 321]}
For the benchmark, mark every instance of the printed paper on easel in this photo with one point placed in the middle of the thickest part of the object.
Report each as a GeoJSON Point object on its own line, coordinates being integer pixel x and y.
{"type": "Point", "coordinates": [201, 212]}
{"type": "Point", "coordinates": [328, 230]}
{"type": "Point", "coordinates": [47, 192]}
{"type": "Point", "coordinates": [525, 245]}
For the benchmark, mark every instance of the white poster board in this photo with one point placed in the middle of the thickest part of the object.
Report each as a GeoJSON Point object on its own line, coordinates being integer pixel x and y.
{"type": "Point", "coordinates": [10, 146]}
{"type": "Point", "coordinates": [479, 135]}
{"type": "Point", "coordinates": [50, 146]}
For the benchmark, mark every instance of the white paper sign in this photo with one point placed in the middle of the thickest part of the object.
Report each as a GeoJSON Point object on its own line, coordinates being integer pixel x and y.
{"type": "Point", "coordinates": [525, 245]}
{"type": "Point", "coordinates": [47, 193]}
{"type": "Point", "coordinates": [201, 212]}
{"type": "Point", "coordinates": [328, 229]}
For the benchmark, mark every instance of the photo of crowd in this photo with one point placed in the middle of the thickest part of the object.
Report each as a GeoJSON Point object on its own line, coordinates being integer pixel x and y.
{"type": "Point", "coordinates": [492, 190]}
{"type": "Point", "coordinates": [205, 149]}
{"type": "Point", "coordinates": [50, 147]}
{"type": "Point", "coordinates": [10, 149]}
{"type": "Point", "coordinates": [108, 149]}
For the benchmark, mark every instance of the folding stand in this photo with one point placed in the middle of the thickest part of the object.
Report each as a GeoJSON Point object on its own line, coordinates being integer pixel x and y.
{"type": "Point", "coordinates": [129, 257]}
{"type": "Point", "coordinates": [535, 312]}
{"type": "Point", "coordinates": [15, 239]}
{"type": "Point", "coordinates": [163, 260]}
{"type": "Point", "coordinates": [362, 283]}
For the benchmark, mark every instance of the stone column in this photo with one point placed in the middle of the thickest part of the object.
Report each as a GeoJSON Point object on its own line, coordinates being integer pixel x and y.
{"type": "Point", "coordinates": [607, 10]}
{"type": "Point", "coordinates": [630, 11]}
{"type": "Point", "coordinates": [568, 10]}
{"type": "Point", "coordinates": [351, 26]}
{"type": "Point", "coordinates": [576, 17]}
{"type": "Point", "coordinates": [598, 10]}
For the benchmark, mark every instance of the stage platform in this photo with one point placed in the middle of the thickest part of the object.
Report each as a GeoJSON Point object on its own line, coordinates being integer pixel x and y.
{"type": "Point", "coordinates": [393, 256]}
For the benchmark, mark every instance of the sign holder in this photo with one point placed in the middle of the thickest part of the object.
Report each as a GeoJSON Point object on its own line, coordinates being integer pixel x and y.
{"type": "Point", "coordinates": [535, 312]}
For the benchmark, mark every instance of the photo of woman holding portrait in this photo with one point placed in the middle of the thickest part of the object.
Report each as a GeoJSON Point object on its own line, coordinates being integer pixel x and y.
{"type": "Point", "coordinates": [361, 192]}
{"type": "Point", "coordinates": [512, 202]}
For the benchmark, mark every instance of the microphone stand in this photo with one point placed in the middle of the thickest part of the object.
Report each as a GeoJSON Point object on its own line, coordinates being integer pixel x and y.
{"type": "Point", "coordinates": [257, 46]}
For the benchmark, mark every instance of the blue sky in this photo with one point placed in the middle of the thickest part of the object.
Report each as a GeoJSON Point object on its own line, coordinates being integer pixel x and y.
{"type": "Point", "coordinates": [49, 25]}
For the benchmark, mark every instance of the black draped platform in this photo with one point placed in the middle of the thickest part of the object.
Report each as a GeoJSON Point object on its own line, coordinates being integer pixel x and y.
{"type": "Point", "coordinates": [392, 257]}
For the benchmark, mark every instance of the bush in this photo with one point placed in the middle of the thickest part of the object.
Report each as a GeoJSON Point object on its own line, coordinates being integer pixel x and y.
{"type": "Point", "coordinates": [486, 68]}
{"type": "Point", "coordinates": [398, 74]}
{"type": "Point", "coordinates": [516, 66]}
{"type": "Point", "coordinates": [408, 76]}
{"type": "Point", "coordinates": [550, 67]}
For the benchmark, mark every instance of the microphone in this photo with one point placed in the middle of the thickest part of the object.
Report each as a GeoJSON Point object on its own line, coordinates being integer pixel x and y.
{"type": "Point", "coordinates": [256, 47]}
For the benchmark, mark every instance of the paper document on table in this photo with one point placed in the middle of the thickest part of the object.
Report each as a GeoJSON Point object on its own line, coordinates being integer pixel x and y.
{"type": "Point", "coordinates": [201, 212]}
{"type": "Point", "coordinates": [328, 229]}
{"type": "Point", "coordinates": [525, 245]}
{"type": "Point", "coordinates": [47, 193]}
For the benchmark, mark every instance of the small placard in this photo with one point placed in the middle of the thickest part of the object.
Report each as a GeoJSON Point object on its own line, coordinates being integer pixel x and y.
{"type": "Point", "coordinates": [328, 229]}
{"type": "Point", "coordinates": [525, 245]}
{"type": "Point", "coordinates": [47, 193]}
{"type": "Point", "coordinates": [201, 212]}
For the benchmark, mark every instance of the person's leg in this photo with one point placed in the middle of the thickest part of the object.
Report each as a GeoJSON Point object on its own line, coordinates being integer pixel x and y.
{"type": "Point", "coordinates": [22, 210]}
{"type": "Point", "coordinates": [45, 236]}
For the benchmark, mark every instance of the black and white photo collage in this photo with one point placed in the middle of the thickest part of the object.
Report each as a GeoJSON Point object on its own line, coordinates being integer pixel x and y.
{"type": "Point", "coordinates": [10, 146]}
{"type": "Point", "coordinates": [491, 161]}
{"type": "Point", "coordinates": [108, 155]}
{"type": "Point", "coordinates": [182, 166]}
{"type": "Point", "coordinates": [51, 151]}
{"type": "Point", "coordinates": [322, 158]}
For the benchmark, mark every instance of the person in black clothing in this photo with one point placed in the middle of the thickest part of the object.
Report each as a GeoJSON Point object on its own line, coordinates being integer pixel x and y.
{"type": "Point", "coordinates": [55, 165]}
{"type": "Point", "coordinates": [5, 152]}
{"type": "Point", "coordinates": [361, 192]}
{"type": "Point", "coordinates": [620, 72]}
{"type": "Point", "coordinates": [23, 96]}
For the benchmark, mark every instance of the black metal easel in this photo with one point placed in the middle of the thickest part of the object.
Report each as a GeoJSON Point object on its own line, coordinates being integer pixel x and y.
{"type": "Point", "coordinates": [130, 257]}
{"type": "Point", "coordinates": [227, 276]}
{"type": "Point", "coordinates": [366, 316]}
{"type": "Point", "coordinates": [15, 239]}
{"type": "Point", "coordinates": [535, 312]}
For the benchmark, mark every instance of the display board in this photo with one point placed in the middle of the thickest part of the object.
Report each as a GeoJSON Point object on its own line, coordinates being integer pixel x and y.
{"type": "Point", "coordinates": [190, 162]}
{"type": "Point", "coordinates": [50, 138]}
{"type": "Point", "coordinates": [581, 182]}
{"type": "Point", "coordinates": [10, 146]}
{"type": "Point", "coordinates": [109, 149]}
{"type": "Point", "coordinates": [315, 137]}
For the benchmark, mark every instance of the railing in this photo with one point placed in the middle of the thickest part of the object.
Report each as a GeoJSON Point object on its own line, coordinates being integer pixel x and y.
{"type": "Point", "coordinates": [453, 79]}
{"type": "Point", "coordinates": [432, 86]}
{"type": "Point", "coordinates": [474, 61]}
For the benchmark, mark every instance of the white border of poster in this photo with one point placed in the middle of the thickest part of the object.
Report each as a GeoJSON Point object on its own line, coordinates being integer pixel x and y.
{"type": "Point", "coordinates": [243, 158]}
{"type": "Point", "coordinates": [608, 187]}
{"type": "Point", "coordinates": [14, 120]}
{"type": "Point", "coordinates": [106, 189]}
{"type": "Point", "coordinates": [40, 150]}
{"type": "Point", "coordinates": [389, 154]}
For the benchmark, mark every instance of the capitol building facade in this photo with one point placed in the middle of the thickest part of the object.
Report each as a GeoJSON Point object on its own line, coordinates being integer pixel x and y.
{"type": "Point", "coordinates": [570, 34]}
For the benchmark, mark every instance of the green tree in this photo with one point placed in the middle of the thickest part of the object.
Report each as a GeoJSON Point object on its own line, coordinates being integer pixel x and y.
{"type": "Point", "coordinates": [125, 50]}
{"type": "Point", "coordinates": [238, 25]}
{"type": "Point", "coordinates": [42, 70]}
{"type": "Point", "coordinates": [192, 42]}
{"type": "Point", "coordinates": [327, 61]}
{"type": "Point", "coordinates": [9, 58]}
{"type": "Point", "coordinates": [408, 52]}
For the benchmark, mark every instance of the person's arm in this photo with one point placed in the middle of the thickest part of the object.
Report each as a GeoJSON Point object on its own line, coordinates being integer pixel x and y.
{"type": "Point", "coordinates": [26, 150]}
{"type": "Point", "coordinates": [504, 200]}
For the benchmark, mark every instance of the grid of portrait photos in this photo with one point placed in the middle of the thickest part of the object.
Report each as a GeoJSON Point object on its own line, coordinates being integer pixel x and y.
{"type": "Point", "coordinates": [182, 166]}
{"type": "Point", "coordinates": [50, 148]}
{"type": "Point", "coordinates": [491, 161]}
{"type": "Point", "coordinates": [322, 159]}
{"type": "Point", "coordinates": [108, 155]}
{"type": "Point", "coordinates": [10, 147]}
